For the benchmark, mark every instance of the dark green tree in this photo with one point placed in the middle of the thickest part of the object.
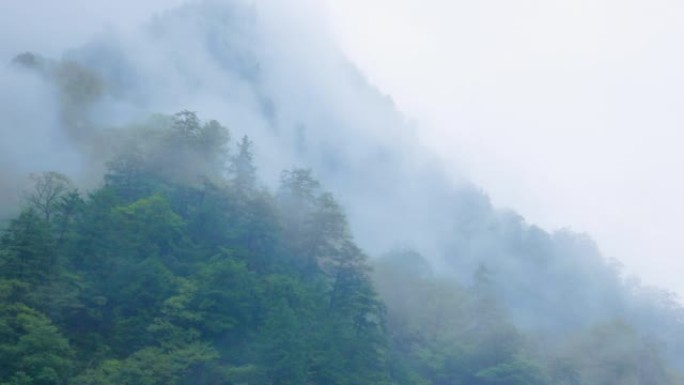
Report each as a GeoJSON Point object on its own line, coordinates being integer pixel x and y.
{"type": "Point", "coordinates": [32, 350]}
{"type": "Point", "coordinates": [28, 249]}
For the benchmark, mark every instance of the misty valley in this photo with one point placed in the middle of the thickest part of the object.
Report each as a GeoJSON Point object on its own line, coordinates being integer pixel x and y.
{"type": "Point", "coordinates": [223, 199]}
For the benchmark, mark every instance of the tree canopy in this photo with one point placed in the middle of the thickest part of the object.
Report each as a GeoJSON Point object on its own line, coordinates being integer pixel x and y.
{"type": "Point", "coordinates": [182, 268]}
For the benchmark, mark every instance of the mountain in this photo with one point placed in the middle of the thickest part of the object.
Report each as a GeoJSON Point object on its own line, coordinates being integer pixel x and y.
{"type": "Point", "coordinates": [473, 293]}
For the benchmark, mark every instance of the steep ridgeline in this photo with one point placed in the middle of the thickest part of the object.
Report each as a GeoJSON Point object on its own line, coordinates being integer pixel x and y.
{"type": "Point", "coordinates": [473, 294]}
{"type": "Point", "coordinates": [284, 83]}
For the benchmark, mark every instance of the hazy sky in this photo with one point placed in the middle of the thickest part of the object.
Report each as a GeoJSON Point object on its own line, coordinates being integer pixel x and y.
{"type": "Point", "coordinates": [49, 27]}
{"type": "Point", "coordinates": [569, 111]}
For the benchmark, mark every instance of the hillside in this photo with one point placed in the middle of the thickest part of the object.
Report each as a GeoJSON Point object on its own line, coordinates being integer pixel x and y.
{"type": "Point", "coordinates": [148, 249]}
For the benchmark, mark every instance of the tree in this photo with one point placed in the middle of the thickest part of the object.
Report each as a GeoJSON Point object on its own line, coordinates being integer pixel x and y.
{"type": "Point", "coordinates": [297, 199]}
{"type": "Point", "coordinates": [155, 366]}
{"type": "Point", "coordinates": [187, 125]}
{"type": "Point", "coordinates": [298, 191]}
{"type": "Point", "coordinates": [242, 169]}
{"type": "Point", "coordinates": [32, 350]}
{"type": "Point", "coordinates": [146, 227]}
{"type": "Point", "coordinates": [128, 174]}
{"type": "Point", "coordinates": [28, 252]}
{"type": "Point", "coordinates": [192, 149]}
{"type": "Point", "coordinates": [613, 352]}
{"type": "Point", "coordinates": [69, 207]}
{"type": "Point", "coordinates": [283, 346]}
{"type": "Point", "coordinates": [48, 191]}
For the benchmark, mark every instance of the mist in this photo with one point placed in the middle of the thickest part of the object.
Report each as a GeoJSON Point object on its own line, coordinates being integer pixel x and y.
{"type": "Point", "coordinates": [562, 110]}
{"type": "Point", "coordinates": [287, 88]}
{"type": "Point", "coordinates": [281, 74]}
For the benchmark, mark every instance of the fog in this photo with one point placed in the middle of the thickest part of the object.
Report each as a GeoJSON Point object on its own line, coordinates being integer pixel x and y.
{"type": "Point", "coordinates": [564, 110]}
{"type": "Point", "coordinates": [400, 158]}
{"type": "Point", "coordinates": [302, 102]}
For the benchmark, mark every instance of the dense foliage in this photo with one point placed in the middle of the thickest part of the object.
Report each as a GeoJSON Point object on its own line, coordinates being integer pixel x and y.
{"type": "Point", "coordinates": [177, 271]}
{"type": "Point", "coordinates": [182, 269]}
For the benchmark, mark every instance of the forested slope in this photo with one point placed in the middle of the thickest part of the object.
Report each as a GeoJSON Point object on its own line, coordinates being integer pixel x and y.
{"type": "Point", "coordinates": [171, 275]}
{"type": "Point", "coordinates": [147, 249]}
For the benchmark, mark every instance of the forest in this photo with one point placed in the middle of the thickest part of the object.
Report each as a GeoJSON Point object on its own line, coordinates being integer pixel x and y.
{"type": "Point", "coordinates": [294, 233]}
{"type": "Point", "coordinates": [168, 274]}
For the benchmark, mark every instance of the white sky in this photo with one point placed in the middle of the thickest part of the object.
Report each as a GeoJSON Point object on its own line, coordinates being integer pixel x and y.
{"type": "Point", "coordinates": [568, 111]}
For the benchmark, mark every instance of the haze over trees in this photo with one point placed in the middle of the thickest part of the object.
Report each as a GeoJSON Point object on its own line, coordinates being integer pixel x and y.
{"type": "Point", "coordinates": [192, 251]}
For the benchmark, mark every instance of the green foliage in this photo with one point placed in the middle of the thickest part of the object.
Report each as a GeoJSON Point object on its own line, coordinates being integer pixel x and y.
{"type": "Point", "coordinates": [146, 227]}
{"type": "Point", "coordinates": [32, 350]}
{"type": "Point", "coordinates": [27, 249]}
{"type": "Point", "coordinates": [175, 272]}
{"type": "Point", "coordinates": [283, 345]}
{"type": "Point", "coordinates": [183, 269]}
{"type": "Point", "coordinates": [153, 366]}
